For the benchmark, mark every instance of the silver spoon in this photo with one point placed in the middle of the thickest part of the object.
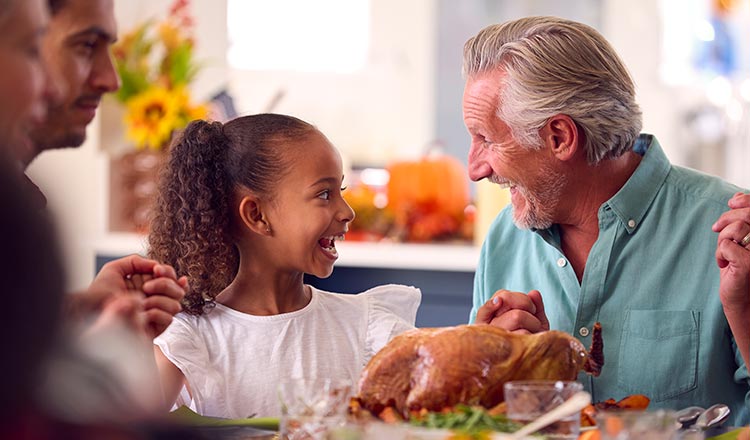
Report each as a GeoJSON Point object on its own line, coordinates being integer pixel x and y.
{"type": "Point", "coordinates": [715, 415]}
{"type": "Point", "coordinates": [687, 416]}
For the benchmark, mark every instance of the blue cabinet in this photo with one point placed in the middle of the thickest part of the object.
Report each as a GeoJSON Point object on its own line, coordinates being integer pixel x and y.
{"type": "Point", "coordinates": [446, 295]}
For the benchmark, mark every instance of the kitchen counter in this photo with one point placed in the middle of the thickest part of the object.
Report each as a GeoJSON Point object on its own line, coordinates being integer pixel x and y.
{"type": "Point", "coordinates": [444, 272]}
{"type": "Point", "coordinates": [443, 257]}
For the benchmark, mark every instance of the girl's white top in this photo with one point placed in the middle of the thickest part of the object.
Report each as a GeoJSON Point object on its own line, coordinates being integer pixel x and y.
{"type": "Point", "coordinates": [234, 362]}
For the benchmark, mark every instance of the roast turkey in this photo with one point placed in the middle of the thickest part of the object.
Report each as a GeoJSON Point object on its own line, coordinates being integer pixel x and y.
{"type": "Point", "coordinates": [435, 368]}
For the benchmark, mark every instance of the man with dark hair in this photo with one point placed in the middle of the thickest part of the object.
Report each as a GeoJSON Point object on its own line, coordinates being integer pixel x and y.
{"type": "Point", "coordinates": [76, 49]}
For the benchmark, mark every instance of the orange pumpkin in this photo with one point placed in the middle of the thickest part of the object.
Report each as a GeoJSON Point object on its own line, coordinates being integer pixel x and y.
{"type": "Point", "coordinates": [428, 197]}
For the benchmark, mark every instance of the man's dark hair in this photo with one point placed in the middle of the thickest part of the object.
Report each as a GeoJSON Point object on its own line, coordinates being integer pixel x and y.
{"type": "Point", "coordinates": [55, 6]}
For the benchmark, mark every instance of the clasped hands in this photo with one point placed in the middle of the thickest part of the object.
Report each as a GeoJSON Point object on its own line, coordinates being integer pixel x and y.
{"type": "Point", "coordinates": [142, 293]}
{"type": "Point", "coordinates": [514, 311]}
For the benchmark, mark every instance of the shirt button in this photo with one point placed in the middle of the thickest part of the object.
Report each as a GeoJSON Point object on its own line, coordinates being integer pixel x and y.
{"type": "Point", "coordinates": [562, 262]}
{"type": "Point", "coordinates": [583, 331]}
{"type": "Point", "coordinates": [631, 223]}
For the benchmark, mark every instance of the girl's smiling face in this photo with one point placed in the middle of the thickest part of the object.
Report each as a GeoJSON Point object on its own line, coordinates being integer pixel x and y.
{"type": "Point", "coordinates": [308, 213]}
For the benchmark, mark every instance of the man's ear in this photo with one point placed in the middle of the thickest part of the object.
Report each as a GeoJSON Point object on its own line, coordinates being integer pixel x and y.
{"type": "Point", "coordinates": [560, 135]}
{"type": "Point", "coordinates": [252, 215]}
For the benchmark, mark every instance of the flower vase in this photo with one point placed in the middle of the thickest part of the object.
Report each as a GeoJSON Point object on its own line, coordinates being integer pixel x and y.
{"type": "Point", "coordinates": [133, 187]}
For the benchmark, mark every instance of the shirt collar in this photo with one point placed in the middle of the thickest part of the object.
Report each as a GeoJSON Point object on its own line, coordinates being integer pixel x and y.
{"type": "Point", "coordinates": [632, 201]}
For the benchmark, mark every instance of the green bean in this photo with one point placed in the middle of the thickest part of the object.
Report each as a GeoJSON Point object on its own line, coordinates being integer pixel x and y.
{"type": "Point", "coordinates": [472, 421]}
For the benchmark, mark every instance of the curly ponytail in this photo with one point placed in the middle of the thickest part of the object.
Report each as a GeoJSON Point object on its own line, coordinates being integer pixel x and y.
{"type": "Point", "coordinates": [191, 226]}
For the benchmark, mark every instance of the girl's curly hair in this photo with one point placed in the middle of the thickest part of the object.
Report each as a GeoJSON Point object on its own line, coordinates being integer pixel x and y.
{"type": "Point", "coordinates": [191, 226]}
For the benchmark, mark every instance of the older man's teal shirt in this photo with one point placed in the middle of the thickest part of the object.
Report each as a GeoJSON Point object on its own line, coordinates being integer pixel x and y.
{"type": "Point", "coordinates": [650, 279]}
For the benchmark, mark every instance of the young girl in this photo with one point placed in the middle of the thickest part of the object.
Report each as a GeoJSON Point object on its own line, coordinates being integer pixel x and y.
{"type": "Point", "coordinates": [246, 209]}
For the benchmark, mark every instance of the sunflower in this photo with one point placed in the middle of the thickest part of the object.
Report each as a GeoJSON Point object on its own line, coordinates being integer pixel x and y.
{"type": "Point", "coordinates": [188, 111]}
{"type": "Point", "coordinates": [156, 67]}
{"type": "Point", "coordinates": [151, 116]}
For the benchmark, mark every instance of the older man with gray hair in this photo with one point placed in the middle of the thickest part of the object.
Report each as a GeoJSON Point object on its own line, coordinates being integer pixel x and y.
{"type": "Point", "coordinates": [601, 227]}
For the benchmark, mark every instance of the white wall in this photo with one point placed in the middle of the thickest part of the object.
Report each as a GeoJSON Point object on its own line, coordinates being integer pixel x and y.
{"type": "Point", "coordinates": [633, 27]}
{"type": "Point", "coordinates": [381, 112]}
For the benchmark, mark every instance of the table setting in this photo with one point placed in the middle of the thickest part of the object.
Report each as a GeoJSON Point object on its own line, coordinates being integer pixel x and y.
{"type": "Point", "coordinates": [337, 419]}
{"type": "Point", "coordinates": [434, 396]}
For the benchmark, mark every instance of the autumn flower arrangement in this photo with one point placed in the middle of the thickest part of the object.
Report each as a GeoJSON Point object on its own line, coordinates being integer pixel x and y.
{"type": "Point", "coordinates": [156, 65]}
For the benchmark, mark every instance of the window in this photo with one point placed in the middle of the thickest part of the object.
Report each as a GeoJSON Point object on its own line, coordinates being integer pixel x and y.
{"type": "Point", "coordinates": [329, 36]}
{"type": "Point", "coordinates": [704, 40]}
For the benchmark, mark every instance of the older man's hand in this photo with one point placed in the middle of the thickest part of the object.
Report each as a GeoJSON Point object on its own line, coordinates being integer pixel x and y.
{"type": "Point", "coordinates": [733, 254]}
{"type": "Point", "coordinates": [514, 311]}
{"type": "Point", "coordinates": [733, 258]}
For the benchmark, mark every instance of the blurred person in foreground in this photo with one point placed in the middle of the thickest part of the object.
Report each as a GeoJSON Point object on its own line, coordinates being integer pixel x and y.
{"type": "Point", "coordinates": [64, 64]}
{"type": "Point", "coordinates": [31, 286]}
{"type": "Point", "coordinates": [601, 226]}
{"type": "Point", "coordinates": [33, 289]}
{"type": "Point", "coordinates": [25, 88]}
{"type": "Point", "coordinates": [33, 279]}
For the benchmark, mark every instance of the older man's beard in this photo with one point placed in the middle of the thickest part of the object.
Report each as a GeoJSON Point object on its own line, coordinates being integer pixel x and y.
{"type": "Point", "coordinates": [540, 205]}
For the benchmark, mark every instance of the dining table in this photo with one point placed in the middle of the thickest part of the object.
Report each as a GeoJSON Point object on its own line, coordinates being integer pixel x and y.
{"type": "Point", "coordinates": [267, 428]}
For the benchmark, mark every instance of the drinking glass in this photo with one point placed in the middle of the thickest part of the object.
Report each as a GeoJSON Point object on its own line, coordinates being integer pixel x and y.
{"type": "Point", "coordinates": [527, 400]}
{"type": "Point", "coordinates": [312, 407]}
{"type": "Point", "coordinates": [642, 425]}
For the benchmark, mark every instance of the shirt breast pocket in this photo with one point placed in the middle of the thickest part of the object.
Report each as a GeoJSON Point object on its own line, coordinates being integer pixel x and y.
{"type": "Point", "coordinates": [659, 353]}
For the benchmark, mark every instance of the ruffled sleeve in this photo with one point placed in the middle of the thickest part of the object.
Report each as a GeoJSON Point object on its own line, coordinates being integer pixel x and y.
{"type": "Point", "coordinates": [184, 348]}
{"type": "Point", "coordinates": [392, 309]}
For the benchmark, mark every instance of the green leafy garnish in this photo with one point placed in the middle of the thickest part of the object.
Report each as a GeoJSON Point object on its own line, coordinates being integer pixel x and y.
{"type": "Point", "coordinates": [472, 421]}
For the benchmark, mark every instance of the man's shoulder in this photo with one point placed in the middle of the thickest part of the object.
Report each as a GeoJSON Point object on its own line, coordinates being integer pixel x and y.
{"type": "Point", "coordinates": [700, 187]}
